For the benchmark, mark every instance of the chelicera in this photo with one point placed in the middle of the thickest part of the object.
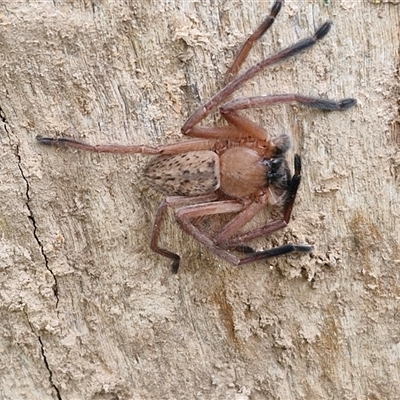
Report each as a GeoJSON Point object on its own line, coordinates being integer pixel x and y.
{"type": "Point", "coordinates": [235, 169]}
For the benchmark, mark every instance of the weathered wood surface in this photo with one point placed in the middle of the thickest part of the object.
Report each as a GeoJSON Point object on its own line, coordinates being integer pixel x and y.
{"type": "Point", "coordinates": [89, 312]}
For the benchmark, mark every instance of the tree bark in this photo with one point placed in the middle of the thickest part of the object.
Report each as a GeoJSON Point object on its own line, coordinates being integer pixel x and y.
{"type": "Point", "coordinates": [89, 312]}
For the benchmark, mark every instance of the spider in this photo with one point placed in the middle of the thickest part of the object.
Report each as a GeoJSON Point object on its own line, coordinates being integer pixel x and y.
{"type": "Point", "coordinates": [238, 168]}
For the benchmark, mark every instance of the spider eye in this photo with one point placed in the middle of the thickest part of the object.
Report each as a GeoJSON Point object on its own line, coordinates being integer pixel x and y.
{"type": "Point", "coordinates": [275, 165]}
{"type": "Point", "coordinates": [277, 172]}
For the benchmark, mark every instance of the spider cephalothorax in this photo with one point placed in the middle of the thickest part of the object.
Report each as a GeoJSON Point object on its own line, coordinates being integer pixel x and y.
{"type": "Point", "coordinates": [238, 168]}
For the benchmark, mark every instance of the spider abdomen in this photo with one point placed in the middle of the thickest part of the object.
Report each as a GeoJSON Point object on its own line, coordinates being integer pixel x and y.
{"type": "Point", "coordinates": [188, 174]}
{"type": "Point", "coordinates": [243, 172]}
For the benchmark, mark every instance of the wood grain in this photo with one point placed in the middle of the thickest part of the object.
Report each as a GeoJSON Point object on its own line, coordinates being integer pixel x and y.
{"type": "Point", "coordinates": [89, 312]}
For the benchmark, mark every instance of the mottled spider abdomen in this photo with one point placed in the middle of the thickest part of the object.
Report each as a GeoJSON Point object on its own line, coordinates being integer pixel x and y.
{"type": "Point", "coordinates": [188, 174]}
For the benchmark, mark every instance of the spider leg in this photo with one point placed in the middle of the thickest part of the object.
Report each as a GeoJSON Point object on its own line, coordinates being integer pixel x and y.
{"type": "Point", "coordinates": [208, 242]}
{"type": "Point", "coordinates": [247, 127]}
{"type": "Point", "coordinates": [248, 212]}
{"type": "Point", "coordinates": [235, 84]}
{"type": "Point", "coordinates": [274, 252]}
{"type": "Point", "coordinates": [248, 44]}
{"type": "Point", "coordinates": [220, 244]}
{"type": "Point", "coordinates": [260, 101]}
{"type": "Point", "coordinates": [186, 209]}
{"type": "Point", "coordinates": [274, 226]}
{"type": "Point", "coordinates": [242, 127]}
{"type": "Point", "coordinates": [173, 202]}
{"type": "Point", "coordinates": [242, 248]}
{"type": "Point", "coordinates": [170, 149]}
{"type": "Point", "coordinates": [229, 132]}
{"type": "Point", "coordinates": [186, 214]}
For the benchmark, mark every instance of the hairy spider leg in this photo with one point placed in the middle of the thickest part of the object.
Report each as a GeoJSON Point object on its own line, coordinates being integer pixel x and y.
{"type": "Point", "coordinates": [221, 133]}
{"type": "Point", "coordinates": [247, 210]}
{"type": "Point", "coordinates": [204, 110]}
{"type": "Point", "coordinates": [220, 244]}
{"type": "Point", "coordinates": [170, 149]}
{"type": "Point", "coordinates": [173, 202]}
{"type": "Point", "coordinates": [269, 227]}
{"type": "Point", "coordinates": [199, 206]}
{"type": "Point", "coordinates": [249, 43]}
{"type": "Point", "coordinates": [240, 127]}
{"type": "Point", "coordinates": [184, 218]}
{"type": "Point", "coordinates": [188, 208]}
{"type": "Point", "coordinates": [250, 128]}
{"type": "Point", "coordinates": [308, 101]}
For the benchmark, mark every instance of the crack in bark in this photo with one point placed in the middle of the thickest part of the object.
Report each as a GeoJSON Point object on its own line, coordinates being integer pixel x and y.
{"type": "Point", "coordinates": [48, 369]}
{"type": "Point", "coordinates": [28, 206]}
{"type": "Point", "coordinates": [35, 234]}
{"type": "Point", "coordinates": [46, 363]}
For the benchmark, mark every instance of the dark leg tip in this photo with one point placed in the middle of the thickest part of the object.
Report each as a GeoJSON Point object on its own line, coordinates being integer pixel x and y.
{"type": "Point", "coordinates": [276, 8]}
{"type": "Point", "coordinates": [303, 248]}
{"type": "Point", "coordinates": [175, 265]}
{"type": "Point", "coordinates": [347, 103]}
{"type": "Point", "coordinates": [283, 250]}
{"type": "Point", "coordinates": [297, 164]}
{"type": "Point", "coordinates": [290, 248]}
{"type": "Point", "coordinates": [44, 140]}
{"type": "Point", "coordinates": [58, 142]}
{"type": "Point", "coordinates": [323, 30]}
{"type": "Point", "coordinates": [243, 249]}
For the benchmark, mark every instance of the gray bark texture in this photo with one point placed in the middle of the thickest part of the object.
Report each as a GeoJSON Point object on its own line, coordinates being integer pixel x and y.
{"type": "Point", "coordinates": [88, 311]}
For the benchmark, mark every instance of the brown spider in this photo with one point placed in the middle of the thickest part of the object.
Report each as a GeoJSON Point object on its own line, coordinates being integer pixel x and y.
{"type": "Point", "coordinates": [238, 168]}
